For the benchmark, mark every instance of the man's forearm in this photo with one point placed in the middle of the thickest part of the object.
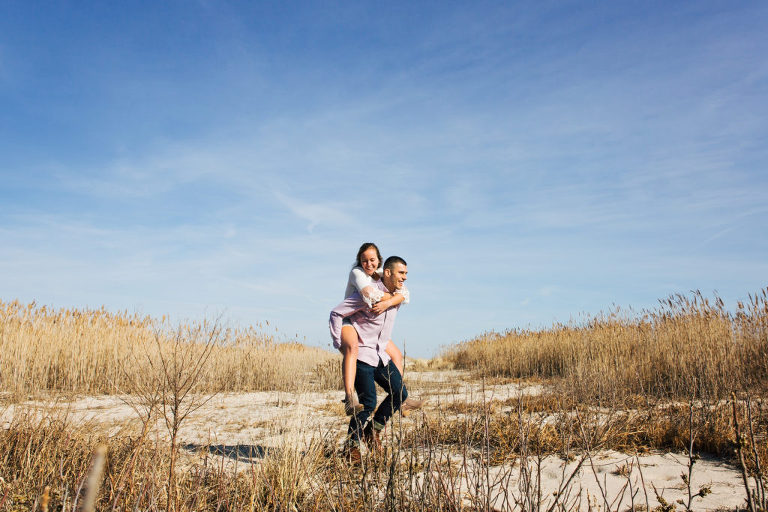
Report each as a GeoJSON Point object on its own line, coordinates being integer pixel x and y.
{"type": "Point", "coordinates": [394, 299]}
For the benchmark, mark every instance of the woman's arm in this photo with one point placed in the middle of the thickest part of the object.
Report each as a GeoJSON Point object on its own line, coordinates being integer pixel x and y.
{"type": "Point", "coordinates": [402, 293]}
{"type": "Point", "coordinates": [364, 286]}
{"type": "Point", "coordinates": [391, 299]}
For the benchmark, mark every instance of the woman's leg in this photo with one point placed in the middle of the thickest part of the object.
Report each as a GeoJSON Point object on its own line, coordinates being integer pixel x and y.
{"type": "Point", "coordinates": [396, 355]}
{"type": "Point", "coordinates": [349, 349]}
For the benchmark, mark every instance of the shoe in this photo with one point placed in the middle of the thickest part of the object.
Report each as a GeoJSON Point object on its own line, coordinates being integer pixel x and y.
{"type": "Point", "coordinates": [410, 405]}
{"type": "Point", "coordinates": [353, 455]}
{"type": "Point", "coordinates": [372, 438]}
{"type": "Point", "coordinates": [351, 405]}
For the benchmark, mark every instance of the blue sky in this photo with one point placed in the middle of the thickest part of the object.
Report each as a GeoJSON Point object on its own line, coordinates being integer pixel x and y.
{"type": "Point", "coordinates": [532, 161]}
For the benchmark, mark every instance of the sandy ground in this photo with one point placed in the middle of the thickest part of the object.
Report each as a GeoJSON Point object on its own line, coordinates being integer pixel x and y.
{"type": "Point", "coordinates": [241, 428]}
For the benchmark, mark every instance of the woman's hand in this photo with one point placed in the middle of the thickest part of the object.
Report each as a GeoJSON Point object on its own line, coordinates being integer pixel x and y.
{"type": "Point", "coordinates": [381, 306]}
{"type": "Point", "coordinates": [386, 302]}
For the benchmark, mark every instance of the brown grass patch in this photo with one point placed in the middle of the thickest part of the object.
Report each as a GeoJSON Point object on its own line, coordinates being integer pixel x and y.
{"type": "Point", "coordinates": [95, 351]}
{"type": "Point", "coordinates": [688, 347]}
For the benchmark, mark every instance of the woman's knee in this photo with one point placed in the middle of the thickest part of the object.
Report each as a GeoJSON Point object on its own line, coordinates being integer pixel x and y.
{"type": "Point", "coordinates": [349, 337]}
{"type": "Point", "coordinates": [349, 343]}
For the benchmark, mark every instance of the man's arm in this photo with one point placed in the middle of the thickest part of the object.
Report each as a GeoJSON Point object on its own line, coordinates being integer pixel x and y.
{"type": "Point", "coordinates": [388, 300]}
{"type": "Point", "coordinates": [347, 308]}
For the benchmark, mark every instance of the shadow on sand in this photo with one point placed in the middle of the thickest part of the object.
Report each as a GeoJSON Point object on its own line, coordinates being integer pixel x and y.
{"type": "Point", "coordinates": [240, 452]}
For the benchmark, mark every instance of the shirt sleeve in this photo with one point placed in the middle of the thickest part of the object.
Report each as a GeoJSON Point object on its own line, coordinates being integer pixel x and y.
{"type": "Point", "coordinates": [347, 308]}
{"type": "Point", "coordinates": [405, 293]}
{"type": "Point", "coordinates": [364, 286]}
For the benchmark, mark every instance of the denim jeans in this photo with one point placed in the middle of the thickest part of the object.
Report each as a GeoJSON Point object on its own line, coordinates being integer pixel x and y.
{"type": "Point", "coordinates": [389, 378]}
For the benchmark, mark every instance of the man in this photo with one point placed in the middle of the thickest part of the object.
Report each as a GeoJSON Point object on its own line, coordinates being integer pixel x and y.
{"type": "Point", "coordinates": [374, 366]}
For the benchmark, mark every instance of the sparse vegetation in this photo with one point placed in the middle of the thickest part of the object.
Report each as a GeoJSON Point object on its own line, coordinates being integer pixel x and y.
{"type": "Point", "coordinates": [632, 384]}
{"type": "Point", "coordinates": [688, 347]}
{"type": "Point", "coordinates": [481, 461]}
{"type": "Point", "coordinates": [96, 352]}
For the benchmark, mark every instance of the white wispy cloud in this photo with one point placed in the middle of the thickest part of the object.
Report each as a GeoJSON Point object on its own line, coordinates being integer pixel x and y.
{"type": "Point", "coordinates": [318, 212]}
{"type": "Point", "coordinates": [498, 149]}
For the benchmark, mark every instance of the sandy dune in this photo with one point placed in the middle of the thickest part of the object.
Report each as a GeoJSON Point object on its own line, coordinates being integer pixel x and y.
{"type": "Point", "coordinates": [241, 428]}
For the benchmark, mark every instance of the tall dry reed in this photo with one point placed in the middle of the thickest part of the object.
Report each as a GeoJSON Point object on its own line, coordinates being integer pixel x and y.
{"type": "Point", "coordinates": [690, 346]}
{"type": "Point", "coordinates": [96, 351]}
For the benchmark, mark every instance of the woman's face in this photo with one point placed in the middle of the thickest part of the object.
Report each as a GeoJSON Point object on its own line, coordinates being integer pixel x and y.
{"type": "Point", "coordinates": [369, 261]}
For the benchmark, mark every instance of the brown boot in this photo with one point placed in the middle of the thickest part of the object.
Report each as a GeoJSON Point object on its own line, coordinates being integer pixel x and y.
{"type": "Point", "coordinates": [410, 405]}
{"type": "Point", "coordinates": [372, 438]}
{"type": "Point", "coordinates": [353, 455]}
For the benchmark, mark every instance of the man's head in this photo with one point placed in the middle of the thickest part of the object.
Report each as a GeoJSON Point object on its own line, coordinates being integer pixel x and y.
{"type": "Point", "coordinates": [395, 273]}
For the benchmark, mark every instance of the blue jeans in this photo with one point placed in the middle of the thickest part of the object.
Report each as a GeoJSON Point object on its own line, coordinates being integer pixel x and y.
{"type": "Point", "coordinates": [389, 378]}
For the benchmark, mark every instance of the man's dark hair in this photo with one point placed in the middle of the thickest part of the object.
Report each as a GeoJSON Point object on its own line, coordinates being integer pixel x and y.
{"type": "Point", "coordinates": [392, 261]}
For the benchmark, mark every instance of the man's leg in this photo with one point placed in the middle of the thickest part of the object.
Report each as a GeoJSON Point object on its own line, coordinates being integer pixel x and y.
{"type": "Point", "coordinates": [389, 378]}
{"type": "Point", "coordinates": [366, 393]}
{"type": "Point", "coordinates": [411, 404]}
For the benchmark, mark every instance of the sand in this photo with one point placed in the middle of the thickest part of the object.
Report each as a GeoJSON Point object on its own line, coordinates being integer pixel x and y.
{"type": "Point", "coordinates": [241, 428]}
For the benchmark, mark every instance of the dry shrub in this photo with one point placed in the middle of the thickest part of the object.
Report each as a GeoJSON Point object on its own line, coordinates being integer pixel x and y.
{"type": "Point", "coordinates": [421, 469]}
{"type": "Point", "coordinates": [687, 347]}
{"type": "Point", "coordinates": [40, 450]}
{"type": "Point", "coordinates": [554, 424]}
{"type": "Point", "coordinates": [295, 476]}
{"type": "Point", "coordinates": [95, 351]}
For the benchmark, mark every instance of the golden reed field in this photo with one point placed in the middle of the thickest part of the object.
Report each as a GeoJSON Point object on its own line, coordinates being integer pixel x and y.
{"type": "Point", "coordinates": [95, 351]}
{"type": "Point", "coordinates": [688, 377]}
{"type": "Point", "coordinates": [688, 347]}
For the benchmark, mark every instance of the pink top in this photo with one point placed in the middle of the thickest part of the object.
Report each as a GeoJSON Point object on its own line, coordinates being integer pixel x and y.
{"type": "Point", "coordinates": [373, 330]}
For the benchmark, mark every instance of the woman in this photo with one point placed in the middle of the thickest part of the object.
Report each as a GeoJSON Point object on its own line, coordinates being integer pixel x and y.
{"type": "Point", "coordinates": [364, 273]}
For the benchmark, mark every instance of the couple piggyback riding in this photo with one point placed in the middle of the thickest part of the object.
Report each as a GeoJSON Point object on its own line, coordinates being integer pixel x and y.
{"type": "Point", "coordinates": [361, 328]}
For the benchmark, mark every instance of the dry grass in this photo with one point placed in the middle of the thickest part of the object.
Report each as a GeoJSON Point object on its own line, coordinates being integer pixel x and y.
{"type": "Point", "coordinates": [39, 453]}
{"type": "Point", "coordinates": [622, 382]}
{"type": "Point", "coordinates": [688, 347]}
{"type": "Point", "coordinates": [558, 423]}
{"type": "Point", "coordinates": [95, 351]}
{"type": "Point", "coordinates": [442, 463]}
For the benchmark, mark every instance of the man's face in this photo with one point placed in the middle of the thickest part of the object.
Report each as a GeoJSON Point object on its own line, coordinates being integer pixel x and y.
{"type": "Point", "coordinates": [395, 277]}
